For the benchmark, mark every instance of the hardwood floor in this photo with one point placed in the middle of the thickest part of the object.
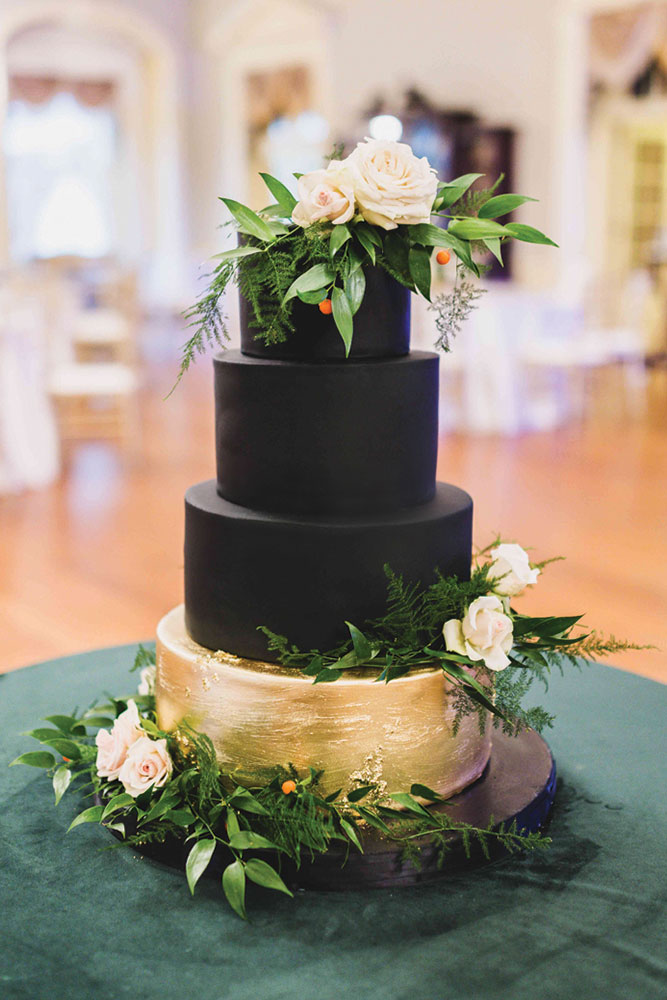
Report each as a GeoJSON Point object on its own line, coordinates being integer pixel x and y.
{"type": "Point", "coordinates": [96, 560]}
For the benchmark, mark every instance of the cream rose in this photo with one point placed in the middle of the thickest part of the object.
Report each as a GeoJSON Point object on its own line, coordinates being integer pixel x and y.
{"type": "Point", "coordinates": [511, 569]}
{"type": "Point", "coordinates": [112, 746]}
{"type": "Point", "coordinates": [391, 185]}
{"type": "Point", "coordinates": [147, 681]}
{"type": "Point", "coordinates": [485, 633]}
{"type": "Point", "coordinates": [324, 196]}
{"type": "Point", "coordinates": [147, 765]}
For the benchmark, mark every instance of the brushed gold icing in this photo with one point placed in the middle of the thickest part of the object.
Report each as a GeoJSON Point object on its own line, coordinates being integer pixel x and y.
{"type": "Point", "coordinates": [261, 714]}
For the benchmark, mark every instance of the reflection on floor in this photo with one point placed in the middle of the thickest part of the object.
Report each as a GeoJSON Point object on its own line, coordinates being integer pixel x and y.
{"type": "Point", "coordinates": [96, 559]}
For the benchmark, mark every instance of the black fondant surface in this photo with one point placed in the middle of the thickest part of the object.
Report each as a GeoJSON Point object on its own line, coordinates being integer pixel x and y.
{"type": "Point", "coordinates": [304, 576]}
{"type": "Point", "coordinates": [352, 437]}
{"type": "Point", "coordinates": [381, 326]}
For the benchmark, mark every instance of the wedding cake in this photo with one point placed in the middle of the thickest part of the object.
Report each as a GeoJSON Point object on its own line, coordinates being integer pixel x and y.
{"type": "Point", "coordinates": [325, 473]}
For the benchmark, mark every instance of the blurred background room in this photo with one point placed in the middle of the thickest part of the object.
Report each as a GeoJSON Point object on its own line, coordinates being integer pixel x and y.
{"type": "Point", "coordinates": [122, 121]}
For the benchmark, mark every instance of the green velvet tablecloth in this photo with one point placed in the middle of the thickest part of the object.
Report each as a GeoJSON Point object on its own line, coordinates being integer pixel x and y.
{"type": "Point", "coordinates": [585, 920]}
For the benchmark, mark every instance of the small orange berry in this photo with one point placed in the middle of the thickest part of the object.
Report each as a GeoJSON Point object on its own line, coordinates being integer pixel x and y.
{"type": "Point", "coordinates": [443, 256]}
{"type": "Point", "coordinates": [325, 307]}
{"type": "Point", "coordinates": [288, 787]}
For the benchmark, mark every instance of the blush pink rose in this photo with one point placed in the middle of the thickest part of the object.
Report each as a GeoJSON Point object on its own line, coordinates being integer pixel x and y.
{"type": "Point", "coordinates": [112, 746]}
{"type": "Point", "coordinates": [147, 765]}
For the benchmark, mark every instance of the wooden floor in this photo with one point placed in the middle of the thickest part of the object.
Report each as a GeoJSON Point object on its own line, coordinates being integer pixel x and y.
{"type": "Point", "coordinates": [96, 559]}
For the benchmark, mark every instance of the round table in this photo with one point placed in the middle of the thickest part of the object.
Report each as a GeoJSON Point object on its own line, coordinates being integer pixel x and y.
{"type": "Point", "coordinates": [582, 920]}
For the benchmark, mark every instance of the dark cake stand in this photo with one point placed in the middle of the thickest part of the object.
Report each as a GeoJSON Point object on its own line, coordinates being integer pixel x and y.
{"type": "Point", "coordinates": [518, 785]}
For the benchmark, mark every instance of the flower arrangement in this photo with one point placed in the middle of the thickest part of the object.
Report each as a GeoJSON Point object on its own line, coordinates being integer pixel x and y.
{"type": "Point", "coordinates": [372, 209]}
{"type": "Point", "coordinates": [152, 786]}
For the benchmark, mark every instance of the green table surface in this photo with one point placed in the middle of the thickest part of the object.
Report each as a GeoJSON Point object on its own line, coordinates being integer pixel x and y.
{"type": "Point", "coordinates": [585, 920]}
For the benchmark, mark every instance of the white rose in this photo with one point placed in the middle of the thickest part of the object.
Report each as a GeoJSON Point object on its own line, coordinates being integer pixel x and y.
{"type": "Point", "coordinates": [485, 633]}
{"type": "Point", "coordinates": [511, 569]}
{"type": "Point", "coordinates": [147, 681]}
{"type": "Point", "coordinates": [112, 746]}
{"type": "Point", "coordinates": [391, 185]}
{"type": "Point", "coordinates": [324, 196]}
{"type": "Point", "coordinates": [147, 765]}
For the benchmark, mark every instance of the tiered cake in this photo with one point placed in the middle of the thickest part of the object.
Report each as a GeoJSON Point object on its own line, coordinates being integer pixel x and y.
{"type": "Point", "coordinates": [325, 473]}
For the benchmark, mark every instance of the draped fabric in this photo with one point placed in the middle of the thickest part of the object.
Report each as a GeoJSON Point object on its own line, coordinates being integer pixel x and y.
{"type": "Point", "coordinates": [623, 43]}
{"type": "Point", "coordinates": [40, 89]}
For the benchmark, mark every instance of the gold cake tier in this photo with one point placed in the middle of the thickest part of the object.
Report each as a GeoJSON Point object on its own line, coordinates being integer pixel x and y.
{"type": "Point", "coordinates": [260, 715]}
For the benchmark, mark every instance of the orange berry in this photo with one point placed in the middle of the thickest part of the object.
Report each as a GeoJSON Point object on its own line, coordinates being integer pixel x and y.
{"type": "Point", "coordinates": [288, 787]}
{"type": "Point", "coordinates": [325, 307]}
{"type": "Point", "coordinates": [443, 256]}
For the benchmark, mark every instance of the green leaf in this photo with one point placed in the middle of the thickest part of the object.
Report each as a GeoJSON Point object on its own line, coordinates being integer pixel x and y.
{"type": "Point", "coordinates": [367, 243]}
{"type": "Point", "coordinates": [419, 259]}
{"type": "Point", "coordinates": [424, 792]}
{"type": "Point", "coordinates": [100, 721]}
{"type": "Point", "coordinates": [284, 197]}
{"type": "Point", "coordinates": [359, 793]}
{"type": "Point", "coordinates": [61, 780]}
{"type": "Point", "coordinates": [372, 819]}
{"type": "Point", "coordinates": [339, 235]}
{"type": "Point", "coordinates": [476, 229]}
{"type": "Point", "coordinates": [38, 758]}
{"type": "Point", "coordinates": [351, 832]}
{"type": "Point", "coordinates": [117, 802]}
{"type": "Point", "coordinates": [246, 840]}
{"type": "Point", "coordinates": [233, 884]}
{"type": "Point", "coordinates": [461, 249]}
{"type": "Point", "coordinates": [428, 235]}
{"type": "Point", "coordinates": [245, 800]}
{"type": "Point", "coordinates": [355, 287]}
{"type": "Point", "coordinates": [528, 235]}
{"type": "Point", "coordinates": [167, 800]}
{"type": "Point", "coordinates": [452, 191]}
{"type": "Point", "coordinates": [249, 221]}
{"type": "Point", "coordinates": [348, 661]}
{"type": "Point", "coordinates": [396, 253]}
{"type": "Point", "coordinates": [493, 245]}
{"type": "Point", "coordinates": [544, 626]}
{"type": "Point", "coordinates": [181, 817]}
{"type": "Point", "coordinates": [261, 873]}
{"type": "Point", "coordinates": [405, 800]}
{"type": "Point", "coordinates": [198, 861]}
{"type": "Point", "coordinates": [45, 734]}
{"type": "Point", "coordinates": [65, 723]}
{"type": "Point", "coordinates": [501, 204]}
{"type": "Point", "coordinates": [327, 676]}
{"type": "Point", "coordinates": [91, 815]}
{"type": "Point", "coordinates": [66, 748]}
{"type": "Point", "coordinates": [342, 315]}
{"type": "Point", "coordinates": [313, 298]}
{"type": "Point", "coordinates": [231, 822]}
{"type": "Point", "coordinates": [318, 276]}
{"type": "Point", "coordinates": [362, 647]}
{"type": "Point", "coordinates": [313, 667]}
{"type": "Point", "coordinates": [236, 252]}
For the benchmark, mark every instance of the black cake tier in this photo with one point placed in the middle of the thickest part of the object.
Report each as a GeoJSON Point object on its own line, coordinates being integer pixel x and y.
{"type": "Point", "coordinates": [381, 327]}
{"type": "Point", "coordinates": [303, 576]}
{"type": "Point", "coordinates": [339, 438]}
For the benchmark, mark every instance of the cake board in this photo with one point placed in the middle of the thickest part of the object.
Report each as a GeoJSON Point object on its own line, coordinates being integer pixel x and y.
{"type": "Point", "coordinates": [518, 785]}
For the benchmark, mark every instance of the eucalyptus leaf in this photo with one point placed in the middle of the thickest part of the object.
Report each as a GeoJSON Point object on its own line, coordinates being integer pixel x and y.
{"type": "Point", "coordinates": [355, 288]}
{"type": "Point", "coordinates": [419, 259]}
{"type": "Point", "coordinates": [233, 884]}
{"type": "Point", "coordinates": [284, 197]}
{"type": "Point", "coordinates": [527, 234]}
{"type": "Point", "coordinates": [91, 815]}
{"type": "Point", "coordinates": [198, 860]}
{"type": "Point", "coordinates": [36, 758]}
{"type": "Point", "coordinates": [61, 780]}
{"type": "Point", "coordinates": [362, 647]}
{"type": "Point", "coordinates": [249, 221]}
{"type": "Point", "coordinates": [342, 315]}
{"type": "Point", "coordinates": [501, 204]}
{"type": "Point", "coordinates": [263, 874]}
{"type": "Point", "coordinates": [316, 277]}
{"type": "Point", "coordinates": [339, 235]}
